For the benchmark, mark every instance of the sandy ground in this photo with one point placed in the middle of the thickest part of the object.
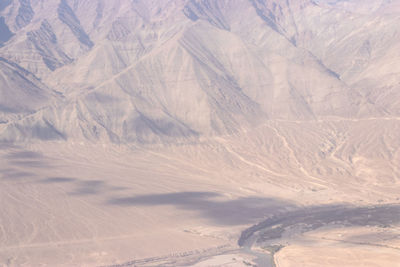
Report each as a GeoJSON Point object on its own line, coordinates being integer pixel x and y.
{"type": "Point", "coordinates": [231, 260]}
{"type": "Point", "coordinates": [86, 208]}
{"type": "Point", "coordinates": [329, 255]}
{"type": "Point", "coordinates": [68, 204]}
{"type": "Point", "coordinates": [343, 246]}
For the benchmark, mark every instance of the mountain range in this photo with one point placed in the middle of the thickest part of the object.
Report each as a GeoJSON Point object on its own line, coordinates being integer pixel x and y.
{"type": "Point", "coordinates": [199, 133]}
{"type": "Point", "coordinates": [149, 71]}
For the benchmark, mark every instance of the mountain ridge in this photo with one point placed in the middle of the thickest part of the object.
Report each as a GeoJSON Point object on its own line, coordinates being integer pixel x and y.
{"type": "Point", "coordinates": [182, 68]}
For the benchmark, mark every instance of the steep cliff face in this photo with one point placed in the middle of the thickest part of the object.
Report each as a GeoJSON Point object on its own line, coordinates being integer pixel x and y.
{"type": "Point", "coordinates": [148, 71]}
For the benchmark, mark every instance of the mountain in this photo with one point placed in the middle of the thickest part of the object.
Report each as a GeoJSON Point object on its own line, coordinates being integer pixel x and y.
{"type": "Point", "coordinates": [199, 132]}
{"type": "Point", "coordinates": [151, 71]}
{"type": "Point", "coordinates": [21, 92]}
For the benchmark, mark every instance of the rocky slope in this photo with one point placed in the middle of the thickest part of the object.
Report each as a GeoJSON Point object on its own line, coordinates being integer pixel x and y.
{"type": "Point", "coordinates": [150, 71]}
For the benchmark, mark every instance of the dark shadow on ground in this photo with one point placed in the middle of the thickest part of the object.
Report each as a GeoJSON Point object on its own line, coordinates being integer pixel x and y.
{"type": "Point", "coordinates": [91, 187]}
{"type": "Point", "coordinates": [212, 205]}
{"type": "Point", "coordinates": [281, 215]}
{"type": "Point", "coordinates": [19, 164]}
{"type": "Point", "coordinates": [83, 187]}
{"type": "Point", "coordinates": [15, 174]}
{"type": "Point", "coordinates": [28, 163]}
{"type": "Point", "coordinates": [18, 155]}
{"type": "Point", "coordinates": [15, 160]}
{"type": "Point", "coordinates": [51, 180]}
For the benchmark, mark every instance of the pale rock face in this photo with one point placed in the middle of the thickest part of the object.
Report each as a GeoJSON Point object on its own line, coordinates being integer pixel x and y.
{"type": "Point", "coordinates": [150, 71]}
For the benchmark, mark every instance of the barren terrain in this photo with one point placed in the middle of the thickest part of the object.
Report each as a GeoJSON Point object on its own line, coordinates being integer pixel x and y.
{"type": "Point", "coordinates": [199, 133]}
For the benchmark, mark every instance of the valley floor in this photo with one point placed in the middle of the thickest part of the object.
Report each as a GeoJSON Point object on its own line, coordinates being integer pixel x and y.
{"type": "Point", "coordinates": [77, 203]}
